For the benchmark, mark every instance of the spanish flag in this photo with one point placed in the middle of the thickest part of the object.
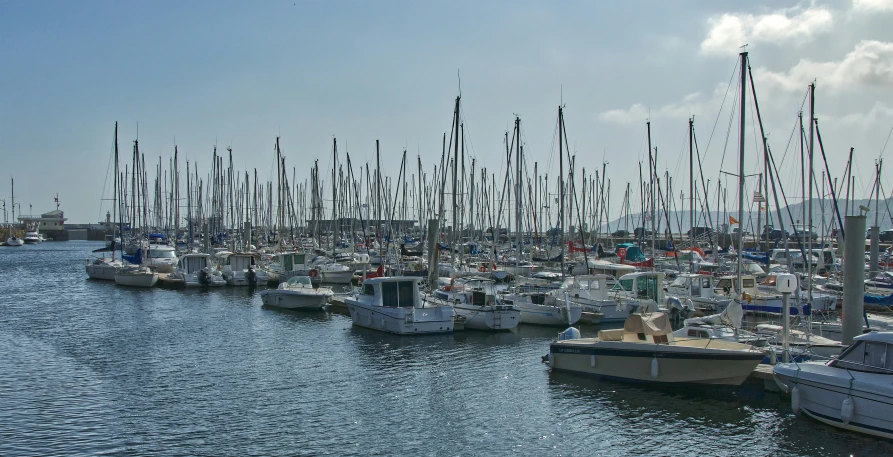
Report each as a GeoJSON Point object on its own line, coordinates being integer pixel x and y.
{"type": "Point", "coordinates": [732, 220]}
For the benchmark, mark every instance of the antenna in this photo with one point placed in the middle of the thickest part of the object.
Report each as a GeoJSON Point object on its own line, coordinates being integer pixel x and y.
{"type": "Point", "coordinates": [459, 78]}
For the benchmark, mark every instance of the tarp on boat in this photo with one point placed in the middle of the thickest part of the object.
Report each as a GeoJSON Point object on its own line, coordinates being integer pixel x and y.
{"type": "Point", "coordinates": [649, 324]}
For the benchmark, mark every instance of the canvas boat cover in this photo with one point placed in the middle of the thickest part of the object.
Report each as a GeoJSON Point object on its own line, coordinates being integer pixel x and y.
{"type": "Point", "coordinates": [649, 324]}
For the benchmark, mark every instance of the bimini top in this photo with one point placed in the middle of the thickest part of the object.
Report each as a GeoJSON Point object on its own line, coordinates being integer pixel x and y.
{"type": "Point", "coordinates": [649, 324]}
{"type": "Point", "coordinates": [881, 337]}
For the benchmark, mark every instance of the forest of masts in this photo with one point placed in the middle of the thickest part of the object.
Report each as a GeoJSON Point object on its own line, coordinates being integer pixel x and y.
{"type": "Point", "coordinates": [546, 210]}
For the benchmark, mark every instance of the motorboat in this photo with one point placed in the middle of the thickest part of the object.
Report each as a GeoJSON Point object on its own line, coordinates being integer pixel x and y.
{"type": "Point", "coordinates": [14, 241]}
{"type": "Point", "coordinates": [475, 300]}
{"type": "Point", "coordinates": [797, 339]}
{"type": "Point", "coordinates": [394, 305]}
{"type": "Point", "coordinates": [335, 273]}
{"type": "Point", "coordinates": [645, 349]}
{"type": "Point", "coordinates": [33, 237]}
{"type": "Point", "coordinates": [853, 392]}
{"type": "Point", "coordinates": [136, 276]}
{"type": "Point", "coordinates": [196, 270]}
{"type": "Point", "coordinates": [699, 289]}
{"type": "Point", "coordinates": [161, 257]}
{"type": "Point", "coordinates": [591, 293]}
{"type": "Point", "coordinates": [297, 293]}
{"type": "Point", "coordinates": [240, 269]}
{"type": "Point", "coordinates": [542, 309]}
{"type": "Point", "coordinates": [103, 268]}
{"type": "Point", "coordinates": [284, 265]}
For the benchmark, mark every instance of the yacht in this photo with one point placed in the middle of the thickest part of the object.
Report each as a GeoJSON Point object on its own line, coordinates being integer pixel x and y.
{"type": "Point", "coordinates": [591, 293]}
{"type": "Point", "coordinates": [699, 289]}
{"type": "Point", "coordinates": [475, 300]}
{"type": "Point", "coordinates": [196, 270]}
{"type": "Point", "coordinates": [297, 293]}
{"type": "Point", "coordinates": [335, 273]}
{"type": "Point", "coordinates": [645, 349]}
{"type": "Point", "coordinates": [394, 305]}
{"type": "Point", "coordinates": [853, 392]}
{"type": "Point", "coordinates": [33, 237]}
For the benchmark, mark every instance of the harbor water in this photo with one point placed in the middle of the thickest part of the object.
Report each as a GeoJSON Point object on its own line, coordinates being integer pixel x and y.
{"type": "Point", "coordinates": [89, 368]}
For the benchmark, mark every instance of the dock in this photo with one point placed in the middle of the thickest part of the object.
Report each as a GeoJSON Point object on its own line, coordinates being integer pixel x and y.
{"type": "Point", "coordinates": [166, 282]}
{"type": "Point", "coordinates": [763, 374]}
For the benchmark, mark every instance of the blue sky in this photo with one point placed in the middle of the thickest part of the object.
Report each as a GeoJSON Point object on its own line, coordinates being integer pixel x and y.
{"type": "Point", "coordinates": [240, 73]}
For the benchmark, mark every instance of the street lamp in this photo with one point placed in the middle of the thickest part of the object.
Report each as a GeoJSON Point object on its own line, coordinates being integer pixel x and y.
{"type": "Point", "coordinates": [786, 284]}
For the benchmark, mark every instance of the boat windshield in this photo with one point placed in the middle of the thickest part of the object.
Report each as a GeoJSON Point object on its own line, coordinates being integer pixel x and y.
{"type": "Point", "coordinates": [680, 281]}
{"type": "Point", "coordinates": [867, 356]}
{"type": "Point", "coordinates": [162, 254]}
{"type": "Point", "coordinates": [299, 280]}
{"type": "Point", "coordinates": [624, 284]}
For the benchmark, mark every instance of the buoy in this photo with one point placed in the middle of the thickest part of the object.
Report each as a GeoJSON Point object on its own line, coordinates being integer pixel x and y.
{"type": "Point", "coordinates": [314, 273]}
{"type": "Point", "coordinates": [654, 368]}
{"type": "Point", "coordinates": [795, 399]}
{"type": "Point", "coordinates": [551, 360]}
{"type": "Point", "coordinates": [773, 358]}
{"type": "Point", "coordinates": [847, 410]}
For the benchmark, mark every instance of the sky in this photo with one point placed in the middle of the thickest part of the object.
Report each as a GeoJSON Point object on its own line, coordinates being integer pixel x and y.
{"type": "Point", "coordinates": [239, 74]}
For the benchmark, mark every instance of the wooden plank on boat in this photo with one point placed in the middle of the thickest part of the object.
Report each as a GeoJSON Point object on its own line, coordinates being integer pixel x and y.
{"type": "Point", "coordinates": [166, 282]}
{"type": "Point", "coordinates": [591, 318]}
{"type": "Point", "coordinates": [337, 305]}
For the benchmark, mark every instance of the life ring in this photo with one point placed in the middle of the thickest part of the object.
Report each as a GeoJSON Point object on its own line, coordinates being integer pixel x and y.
{"type": "Point", "coordinates": [482, 269]}
{"type": "Point", "coordinates": [314, 273]}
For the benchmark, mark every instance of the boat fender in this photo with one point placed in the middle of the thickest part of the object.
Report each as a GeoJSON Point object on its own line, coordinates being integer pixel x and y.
{"type": "Point", "coordinates": [654, 368]}
{"type": "Point", "coordinates": [551, 360]}
{"type": "Point", "coordinates": [592, 360]}
{"type": "Point", "coordinates": [795, 399]}
{"type": "Point", "coordinates": [773, 357]}
{"type": "Point", "coordinates": [847, 409]}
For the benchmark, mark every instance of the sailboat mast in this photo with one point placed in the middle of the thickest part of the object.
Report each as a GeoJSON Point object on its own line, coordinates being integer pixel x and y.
{"type": "Point", "coordinates": [808, 257]}
{"type": "Point", "coordinates": [691, 192]}
{"type": "Point", "coordinates": [561, 184]}
{"type": "Point", "coordinates": [741, 104]}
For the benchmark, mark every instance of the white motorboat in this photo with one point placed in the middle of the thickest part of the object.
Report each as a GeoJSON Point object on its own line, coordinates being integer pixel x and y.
{"type": "Point", "coordinates": [542, 309]}
{"type": "Point", "coordinates": [240, 269]}
{"type": "Point", "coordinates": [853, 392]}
{"type": "Point", "coordinates": [335, 273]}
{"type": "Point", "coordinates": [14, 241]}
{"type": "Point", "coordinates": [818, 345]}
{"type": "Point", "coordinates": [162, 258]}
{"type": "Point", "coordinates": [645, 349]}
{"type": "Point", "coordinates": [699, 289]}
{"type": "Point", "coordinates": [196, 270]}
{"type": "Point", "coordinates": [475, 300]}
{"type": "Point", "coordinates": [33, 237]}
{"type": "Point", "coordinates": [297, 293]}
{"type": "Point", "coordinates": [284, 265]}
{"type": "Point", "coordinates": [136, 276]}
{"type": "Point", "coordinates": [104, 269]}
{"type": "Point", "coordinates": [394, 305]}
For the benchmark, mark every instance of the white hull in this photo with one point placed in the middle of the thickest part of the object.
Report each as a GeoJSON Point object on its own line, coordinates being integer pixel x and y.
{"type": "Point", "coordinates": [161, 265]}
{"type": "Point", "coordinates": [401, 321]}
{"type": "Point", "coordinates": [548, 315]}
{"type": "Point", "coordinates": [337, 277]}
{"type": "Point", "coordinates": [136, 279]}
{"type": "Point", "coordinates": [821, 397]}
{"type": "Point", "coordinates": [294, 299]}
{"type": "Point", "coordinates": [14, 242]}
{"type": "Point", "coordinates": [612, 310]}
{"type": "Point", "coordinates": [491, 317]}
{"type": "Point", "coordinates": [103, 271]}
{"type": "Point", "coordinates": [636, 362]}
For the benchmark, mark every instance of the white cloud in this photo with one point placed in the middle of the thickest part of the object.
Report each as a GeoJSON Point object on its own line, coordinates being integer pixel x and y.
{"type": "Point", "coordinates": [869, 63]}
{"type": "Point", "coordinates": [880, 111]}
{"type": "Point", "coordinates": [692, 104]}
{"type": "Point", "coordinates": [729, 31]}
{"type": "Point", "coordinates": [873, 5]}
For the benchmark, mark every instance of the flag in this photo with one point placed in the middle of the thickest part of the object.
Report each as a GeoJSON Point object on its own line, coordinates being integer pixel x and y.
{"type": "Point", "coordinates": [732, 220]}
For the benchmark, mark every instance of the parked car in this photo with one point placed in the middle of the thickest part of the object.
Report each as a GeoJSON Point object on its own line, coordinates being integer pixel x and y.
{"type": "Point", "coordinates": [640, 232]}
{"type": "Point", "coordinates": [885, 236]}
{"type": "Point", "coordinates": [698, 232]}
{"type": "Point", "coordinates": [798, 235]}
{"type": "Point", "coordinates": [620, 234]}
{"type": "Point", "coordinates": [736, 230]}
{"type": "Point", "coordinates": [773, 234]}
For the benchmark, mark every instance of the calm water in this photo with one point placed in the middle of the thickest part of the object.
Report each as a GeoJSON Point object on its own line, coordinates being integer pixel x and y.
{"type": "Point", "coordinates": [90, 368]}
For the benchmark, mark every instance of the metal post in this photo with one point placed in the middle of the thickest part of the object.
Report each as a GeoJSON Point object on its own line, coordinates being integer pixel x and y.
{"type": "Point", "coordinates": [854, 278]}
{"type": "Point", "coordinates": [785, 343]}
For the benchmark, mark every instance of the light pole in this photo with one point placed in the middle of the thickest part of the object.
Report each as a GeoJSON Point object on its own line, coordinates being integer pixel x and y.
{"type": "Point", "coordinates": [786, 284]}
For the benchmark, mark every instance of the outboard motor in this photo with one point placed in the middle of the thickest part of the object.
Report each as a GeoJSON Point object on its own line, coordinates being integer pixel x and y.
{"type": "Point", "coordinates": [203, 277]}
{"type": "Point", "coordinates": [251, 277]}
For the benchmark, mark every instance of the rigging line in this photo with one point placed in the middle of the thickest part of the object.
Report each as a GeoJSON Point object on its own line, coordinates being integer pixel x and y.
{"type": "Point", "coordinates": [718, 114]}
{"type": "Point", "coordinates": [881, 154]}
{"type": "Point", "coordinates": [729, 131]}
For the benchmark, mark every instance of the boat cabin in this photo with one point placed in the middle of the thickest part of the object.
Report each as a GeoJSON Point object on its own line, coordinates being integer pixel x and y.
{"type": "Point", "coordinates": [239, 262]}
{"type": "Point", "coordinates": [392, 292]}
{"type": "Point", "coordinates": [870, 352]}
{"type": "Point", "coordinates": [593, 287]}
{"type": "Point", "coordinates": [288, 261]}
{"type": "Point", "coordinates": [615, 270]}
{"type": "Point", "coordinates": [728, 284]}
{"type": "Point", "coordinates": [642, 285]}
{"type": "Point", "coordinates": [191, 264]}
{"type": "Point", "coordinates": [692, 285]}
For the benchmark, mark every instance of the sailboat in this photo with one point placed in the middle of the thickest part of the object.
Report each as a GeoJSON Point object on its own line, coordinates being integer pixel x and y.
{"type": "Point", "coordinates": [105, 268]}
{"type": "Point", "coordinates": [13, 240]}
